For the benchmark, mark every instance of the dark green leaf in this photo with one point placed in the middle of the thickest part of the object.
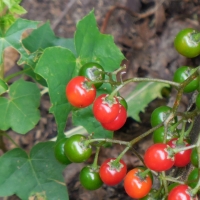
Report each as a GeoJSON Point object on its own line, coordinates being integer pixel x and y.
{"type": "Point", "coordinates": [56, 66]}
{"type": "Point", "coordinates": [34, 175]}
{"type": "Point", "coordinates": [92, 46]}
{"type": "Point", "coordinates": [20, 111]}
{"type": "Point", "coordinates": [12, 37]}
{"type": "Point", "coordinates": [44, 37]}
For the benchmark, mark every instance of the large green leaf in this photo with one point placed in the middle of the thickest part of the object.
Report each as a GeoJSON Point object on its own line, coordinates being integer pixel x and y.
{"type": "Point", "coordinates": [34, 175]}
{"type": "Point", "coordinates": [44, 37]}
{"type": "Point", "coordinates": [141, 96]}
{"type": "Point", "coordinates": [20, 111]}
{"type": "Point", "coordinates": [84, 117]}
{"type": "Point", "coordinates": [92, 46]}
{"type": "Point", "coordinates": [12, 37]}
{"type": "Point", "coordinates": [56, 66]}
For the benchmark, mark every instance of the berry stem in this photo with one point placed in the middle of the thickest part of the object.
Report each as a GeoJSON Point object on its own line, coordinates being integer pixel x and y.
{"type": "Point", "coordinates": [95, 162]}
{"type": "Point", "coordinates": [176, 150]}
{"type": "Point", "coordinates": [195, 36]}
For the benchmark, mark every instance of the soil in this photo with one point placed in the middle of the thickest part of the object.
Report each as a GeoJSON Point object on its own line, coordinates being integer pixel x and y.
{"type": "Point", "coordinates": [144, 30]}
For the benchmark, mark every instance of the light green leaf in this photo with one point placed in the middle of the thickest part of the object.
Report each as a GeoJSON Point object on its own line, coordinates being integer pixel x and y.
{"type": "Point", "coordinates": [12, 37]}
{"type": "Point", "coordinates": [56, 66]}
{"type": "Point", "coordinates": [92, 46]}
{"type": "Point", "coordinates": [14, 7]}
{"type": "Point", "coordinates": [20, 111]}
{"type": "Point", "coordinates": [84, 117]}
{"type": "Point", "coordinates": [141, 96]}
{"type": "Point", "coordinates": [37, 174]}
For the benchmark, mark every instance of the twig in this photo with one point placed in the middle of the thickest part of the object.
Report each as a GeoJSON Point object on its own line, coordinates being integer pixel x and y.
{"type": "Point", "coordinates": [151, 11]}
{"type": "Point", "coordinates": [67, 8]}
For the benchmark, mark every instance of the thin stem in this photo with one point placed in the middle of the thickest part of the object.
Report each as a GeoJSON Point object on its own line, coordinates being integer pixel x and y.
{"type": "Point", "coordinates": [121, 154]}
{"type": "Point", "coordinates": [95, 162]}
{"type": "Point", "coordinates": [176, 150]}
{"type": "Point", "coordinates": [107, 140]}
{"type": "Point", "coordinates": [138, 156]}
{"type": "Point", "coordinates": [16, 74]}
{"type": "Point", "coordinates": [6, 135]}
{"type": "Point", "coordinates": [164, 181]}
{"type": "Point", "coordinates": [44, 91]}
{"type": "Point", "coordinates": [144, 173]}
{"type": "Point", "coordinates": [180, 140]}
{"type": "Point", "coordinates": [176, 85]}
{"type": "Point", "coordinates": [171, 179]}
{"type": "Point", "coordinates": [135, 140]}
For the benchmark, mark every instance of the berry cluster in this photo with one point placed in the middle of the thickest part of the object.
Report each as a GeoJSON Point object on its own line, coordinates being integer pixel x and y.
{"type": "Point", "coordinates": [172, 147]}
{"type": "Point", "coordinates": [109, 110]}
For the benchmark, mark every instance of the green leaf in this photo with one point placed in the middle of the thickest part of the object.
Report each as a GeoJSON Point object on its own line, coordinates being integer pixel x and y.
{"type": "Point", "coordinates": [34, 175]}
{"type": "Point", "coordinates": [56, 66]}
{"type": "Point", "coordinates": [14, 7]}
{"type": "Point", "coordinates": [44, 37]}
{"type": "Point", "coordinates": [3, 87]}
{"type": "Point", "coordinates": [92, 46]}
{"type": "Point", "coordinates": [12, 38]}
{"type": "Point", "coordinates": [20, 111]}
{"type": "Point", "coordinates": [29, 71]}
{"type": "Point", "coordinates": [84, 117]}
{"type": "Point", "coordinates": [141, 96]}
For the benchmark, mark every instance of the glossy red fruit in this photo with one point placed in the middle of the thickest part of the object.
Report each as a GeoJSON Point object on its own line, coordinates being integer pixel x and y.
{"type": "Point", "coordinates": [157, 157]}
{"type": "Point", "coordinates": [118, 122]}
{"type": "Point", "coordinates": [182, 158]}
{"type": "Point", "coordinates": [181, 192]}
{"type": "Point", "coordinates": [105, 109]}
{"type": "Point", "coordinates": [79, 93]}
{"type": "Point", "coordinates": [135, 186]}
{"type": "Point", "coordinates": [112, 174]}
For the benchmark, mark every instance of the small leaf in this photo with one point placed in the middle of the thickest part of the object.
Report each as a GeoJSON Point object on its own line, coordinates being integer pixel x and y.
{"type": "Point", "coordinates": [84, 117]}
{"type": "Point", "coordinates": [44, 37]}
{"type": "Point", "coordinates": [56, 66]}
{"type": "Point", "coordinates": [20, 111]}
{"type": "Point", "coordinates": [3, 87]}
{"type": "Point", "coordinates": [141, 96]}
{"type": "Point", "coordinates": [12, 37]}
{"type": "Point", "coordinates": [34, 175]}
{"type": "Point", "coordinates": [92, 46]}
{"type": "Point", "coordinates": [14, 7]}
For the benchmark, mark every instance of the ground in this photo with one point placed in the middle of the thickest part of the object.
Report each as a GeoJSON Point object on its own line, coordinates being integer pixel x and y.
{"type": "Point", "coordinates": [144, 30]}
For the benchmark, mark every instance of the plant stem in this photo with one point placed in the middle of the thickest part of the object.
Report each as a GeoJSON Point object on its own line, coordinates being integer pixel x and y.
{"type": "Point", "coordinates": [106, 140]}
{"type": "Point", "coordinates": [6, 135]}
{"type": "Point", "coordinates": [95, 162]}
{"type": "Point", "coordinates": [164, 182]}
{"type": "Point", "coordinates": [176, 150]}
{"type": "Point", "coordinates": [182, 134]}
{"type": "Point", "coordinates": [121, 154]}
{"type": "Point", "coordinates": [135, 140]}
{"type": "Point", "coordinates": [171, 179]}
{"type": "Point", "coordinates": [16, 74]}
{"type": "Point", "coordinates": [176, 85]}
